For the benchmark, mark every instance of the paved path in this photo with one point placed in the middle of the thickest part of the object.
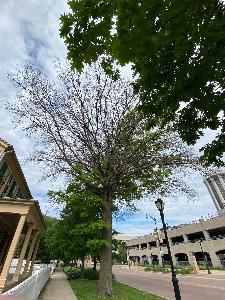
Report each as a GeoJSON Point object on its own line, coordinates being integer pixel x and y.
{"type": "Point", "coordinates": [193, 287]}
{"type": "Point", "coordinates": [57, 288]}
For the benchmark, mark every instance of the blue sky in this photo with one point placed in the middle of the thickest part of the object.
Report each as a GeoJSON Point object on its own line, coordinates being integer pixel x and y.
{"type": "Point", "coordinates": [29, 33]}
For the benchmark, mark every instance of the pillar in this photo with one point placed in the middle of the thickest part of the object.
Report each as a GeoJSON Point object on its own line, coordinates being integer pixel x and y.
{"type": "Point", "coordinates": [210, 249]}
{"type": "Point", "coordinates": [159, 256]}
{"type": "Point", "coordinates": [30, 253]}
{"type": "Point", "coordinates": [174, 259]}
{"type": "Point", "coordinates": [188, 251]}
{"type": "Point", "coordinates": [34, 254]}
{"type": "Point", "coordinates": [150, 259]}
{"type": "Point", "coordinates": [11, 252]}
{"type": "Point", "coordinates": [16, 275]}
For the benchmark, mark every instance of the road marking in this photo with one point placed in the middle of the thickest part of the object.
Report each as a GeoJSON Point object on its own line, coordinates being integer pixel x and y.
{"type": "Point", "coordinates": [203, 285]}
{"type": "Point", "coordinates": [211, 278]}
{"type": "Point", "coordinates": [127, 284]}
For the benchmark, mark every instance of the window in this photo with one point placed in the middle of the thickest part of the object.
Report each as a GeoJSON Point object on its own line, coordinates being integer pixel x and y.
{"type": "Point", "coordinates": [11, 189]}
{"type": "Point", "coordinates": [3, 170]}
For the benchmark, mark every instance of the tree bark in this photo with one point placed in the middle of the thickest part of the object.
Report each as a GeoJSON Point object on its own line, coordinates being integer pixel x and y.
{"type": "Point", "coordinates": [82, 268]}
{"type": "Point", "coordinates": [95, 264]}
{"type": "Point", "coordinates": [105, 272]}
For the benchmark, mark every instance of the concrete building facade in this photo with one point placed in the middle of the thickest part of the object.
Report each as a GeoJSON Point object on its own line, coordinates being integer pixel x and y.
{"type": "Point", "coordinates": [216, 187]}
{"type": "Point", "coordinates": [21, 221]}
{"type": "Point", "coordinates": [185, 246]}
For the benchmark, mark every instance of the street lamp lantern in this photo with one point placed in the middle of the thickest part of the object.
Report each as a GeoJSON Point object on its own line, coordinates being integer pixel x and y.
{"type": "Point", "coordinates": [160, 205]}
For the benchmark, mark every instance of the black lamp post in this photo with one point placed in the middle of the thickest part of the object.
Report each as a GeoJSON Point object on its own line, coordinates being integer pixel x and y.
{"type": "Point", "coordinates": [160, 205]}
{"type": "Point", "coordinates": [205, 258]}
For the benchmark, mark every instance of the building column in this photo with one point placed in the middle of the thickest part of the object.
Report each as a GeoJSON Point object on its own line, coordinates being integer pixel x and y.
{"type": "Point", "coordinates": [210, 249]}
{"type": "Point", "coordinates": [16, 275]}
{"type": "Point", "coordinates": [139, 247]}
{"type": "Point", "coordinates": [159, 256]}
{"type": "Point", "coordinates": [30, 253]}
{"type": "Point", "coordinates": [11, 252]}
{"type": "Point", "coordinates": [34, 254]}
{"type": "Point", "coordinates": [150, 259]}
{"type": "Point", "coordinates": [206, 235]}
{"type": "Point", "coordinates": [188, 251]}
{"type": "Point", "coordinates": [174, 259]}
{"type": "Point", "coordinates": [160, 259]}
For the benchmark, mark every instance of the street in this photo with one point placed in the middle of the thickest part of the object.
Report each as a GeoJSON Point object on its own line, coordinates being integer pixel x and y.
{"type": "Point", "coordinates": [192, 287]}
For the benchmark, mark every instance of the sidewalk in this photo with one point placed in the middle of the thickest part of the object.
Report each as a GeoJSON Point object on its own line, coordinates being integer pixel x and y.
{"type": "Point", "coordinates": [57, 288]}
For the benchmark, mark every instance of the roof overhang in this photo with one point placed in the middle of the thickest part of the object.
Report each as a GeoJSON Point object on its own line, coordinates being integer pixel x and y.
{"type": "Point", "coordinates": [30, 208]}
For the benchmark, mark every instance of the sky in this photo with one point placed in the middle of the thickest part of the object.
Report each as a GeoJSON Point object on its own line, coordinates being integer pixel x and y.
{"type": "Point", "coordinates": [29, 33]}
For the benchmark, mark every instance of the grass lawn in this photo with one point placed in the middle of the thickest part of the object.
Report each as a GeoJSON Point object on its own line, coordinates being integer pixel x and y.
{"type": "Point", "coordinates": [86, 290]}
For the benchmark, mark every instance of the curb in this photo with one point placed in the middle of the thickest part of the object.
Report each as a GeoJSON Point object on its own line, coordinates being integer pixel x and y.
{"type": "Point", "coordinates": [163, 297]}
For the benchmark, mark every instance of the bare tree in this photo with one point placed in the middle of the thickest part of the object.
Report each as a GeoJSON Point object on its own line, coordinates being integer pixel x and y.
{"type": "Point", "coordinates": [89, 121]}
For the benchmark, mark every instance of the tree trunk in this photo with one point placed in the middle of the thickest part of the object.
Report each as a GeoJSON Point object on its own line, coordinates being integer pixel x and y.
{"type": "Point", "coordinates": [105, 272]}
{"type": "Point", "coordinates": [95, 263]}
{"type": "Point", "coordinates": [82, 268]}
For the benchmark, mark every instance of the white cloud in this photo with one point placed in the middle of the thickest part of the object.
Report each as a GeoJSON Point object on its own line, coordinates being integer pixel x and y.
{"type": "Point", "coordinates": [29, 33]}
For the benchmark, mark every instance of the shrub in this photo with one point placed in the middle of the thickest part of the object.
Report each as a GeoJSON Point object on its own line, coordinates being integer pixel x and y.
{"type": "Point", "coordinates": [218, 268]}
{"type": "Point", "coordinates": [148, 268]}
{"type": "Point", "coordinates": [72, 272]}
{"type": "Point", "coordinates": [91, 274]}
{"type": "Point", "coordinates": [184, 271]}
{"type": "Point", "coordinates": [158, 268]}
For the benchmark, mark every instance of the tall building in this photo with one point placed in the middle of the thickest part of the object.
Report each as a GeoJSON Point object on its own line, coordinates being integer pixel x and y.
{"type": "Point", "coordinates": [216, 187]}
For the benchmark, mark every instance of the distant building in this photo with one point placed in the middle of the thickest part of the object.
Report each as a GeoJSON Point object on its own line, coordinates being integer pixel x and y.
{"type": "Point", "coordinates": [216, 187]}
{"type": "Point", "coordinates": [184, 242]}
{"type": "Point", "coordinates": [122, 237]}
{"type": "Point", "coordinates": [188, 241]}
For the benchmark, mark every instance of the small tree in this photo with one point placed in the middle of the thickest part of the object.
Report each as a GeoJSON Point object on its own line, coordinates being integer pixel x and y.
{"type": "Point", "coordinates": [78, 233]}
{"type": "Point", "coordinates": [89, 123]}
{"type": "Point", "coordinates": [119, 251]}
{"type": "Point", "coordinates": [46, 252]}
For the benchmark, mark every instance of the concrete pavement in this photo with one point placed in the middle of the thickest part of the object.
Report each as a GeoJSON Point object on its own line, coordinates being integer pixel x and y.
{"type": "Point", "coordinates": [193, 287]}
{"type": "Point", "coordinates": [57, 288]}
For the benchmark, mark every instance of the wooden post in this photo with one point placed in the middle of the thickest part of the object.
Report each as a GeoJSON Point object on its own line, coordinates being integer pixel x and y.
{"type": "Point", "coordinates": [11, 252]}
{"type": "Point", "coordinates": [30, 253]}
{"type": "Point", "coordinates": [34, 254]}
{"type": "Point", "coordinates": [16, 275]}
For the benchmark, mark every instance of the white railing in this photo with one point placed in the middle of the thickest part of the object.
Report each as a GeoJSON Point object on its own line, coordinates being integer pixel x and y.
{"type": "Point", "coordinates": [31, 288]}
{"type": "Point", "coordinates": [38, 267]}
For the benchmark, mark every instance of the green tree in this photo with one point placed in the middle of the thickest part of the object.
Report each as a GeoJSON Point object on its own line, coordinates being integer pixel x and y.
{"type": "Point", "coordinates": [119, 251]}
{"type": "Point", "coordinates": [46, 252]}
{"type": "Point", "coordinates": [88, 126]}
{"type": "Point", "coordinates": [176, 50]}
{"type": "Point", "coordinates": [79, 230]}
